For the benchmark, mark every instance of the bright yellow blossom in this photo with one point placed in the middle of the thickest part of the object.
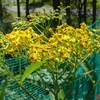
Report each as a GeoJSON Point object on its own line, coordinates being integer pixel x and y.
{"type": "Point", "coordinates": [66, 43]}
{"type": "Point", "coordinates": [1, 41]}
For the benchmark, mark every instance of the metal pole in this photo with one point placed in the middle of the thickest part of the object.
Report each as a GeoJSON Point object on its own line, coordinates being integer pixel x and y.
{"type": "Point", "coordinates": [85, 2]}
{"type": "Point", "coordinates": [68, 12]}
{"type": "Point", "coordinates": [94, 10]}
{"type": "Point", "coordinates": [80, 12]}
{"type": "Point", "coordinates": [1, 12]}
{"type": "Point", "coordinates": [18, 8]}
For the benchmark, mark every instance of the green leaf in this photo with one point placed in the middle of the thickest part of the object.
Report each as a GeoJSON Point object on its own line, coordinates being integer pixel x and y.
{"type": "Point", "coordinates": [86, 66]}
{"type": "Point", "coordinates": [51, 95]}
{"type": "Point", "coordinates": [62, 95]}
{"type": "Point", "coordinates": [31, 69]}
{"type": "Point", "coordinates": [3, 91]}
{"type": "Point", "coordinates": [2, 72]}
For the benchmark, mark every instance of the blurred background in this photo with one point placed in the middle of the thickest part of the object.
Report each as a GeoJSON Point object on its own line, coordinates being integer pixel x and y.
{"type": "Point", "coordinates": [79, 11]}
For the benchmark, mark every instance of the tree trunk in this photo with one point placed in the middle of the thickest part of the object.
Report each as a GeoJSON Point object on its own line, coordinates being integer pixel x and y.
{"type": "Point", "coordinates": [1, 12]}
{"type": "Point", "coordinates": [68, 12]}
{"type": "Point", "coordinates": [56, 3]}
{"type": "Point", "coordinates": [27, 8]}
{"type": "Point", "coordinates": [85, 2]}
{"type": "Point", "coordinates": [80, 11]}
{"type": "Point", "coordinates": [94, 10]}
{"type": "Point", "coordinates": [18, 8]}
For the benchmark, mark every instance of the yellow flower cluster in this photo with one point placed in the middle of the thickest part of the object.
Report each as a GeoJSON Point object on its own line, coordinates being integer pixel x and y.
{"type": "Point", "coordinates": [19, 40]}
{"type": "Point", "coordinates": [65, 43]}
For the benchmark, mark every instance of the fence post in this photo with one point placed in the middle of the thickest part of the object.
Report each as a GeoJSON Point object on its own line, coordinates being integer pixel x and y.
{"type": "Point", "coordinates": [18, 8]}
{"type": "Point", "coordinates": [85, 2]}
{"type": "Point", "coordinates": [68, 12]}
{"type": "Point", "coordinates": [94, 10]}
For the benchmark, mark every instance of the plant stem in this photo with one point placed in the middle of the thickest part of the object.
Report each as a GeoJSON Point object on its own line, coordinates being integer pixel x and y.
{"type": "Point", "coordinates": [20, 69]}
{"type": "Point", "coordinates": [11, 75]}
{"type": "Point", "coordinates": [55, 83]}
{"type": "Point", "coordinates": [93, 90]}
{"type": "Point", "coordinates": [45, 82]}
{"type": "Point", "coordinates": [56, 96]}
{"type": "Point", "coordinates": [56, 87]}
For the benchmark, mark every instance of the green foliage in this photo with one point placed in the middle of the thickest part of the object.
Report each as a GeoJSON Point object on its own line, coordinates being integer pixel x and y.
{"type": "Point", "coordinates": [2, 72]}
{"type": "Point", "coordinates": [31, 69]}
{"type": "Point", "coordinates": [4, 9]}
{"type": "Point", "coordinates": [40, 21]}
{"type": "Point", "coordinates": [62, 94]}
{"type": "Point", "coordinates": [2, 92]}
{"type": "Point", "coordinates": [6, 26]}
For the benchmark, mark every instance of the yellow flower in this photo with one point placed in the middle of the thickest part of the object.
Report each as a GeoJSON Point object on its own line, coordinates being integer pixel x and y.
{"type": "Point", "coordinates": [18, 44]}
{"type": "Point", "coordinates": [59, 27]}
{"type": "Point", "coordinates": [11, 51]}
{"type": "Point", "coordinates": [72, 40]}
{"type": "Point", "coordinates": [1, 41]}
{"type": "Point", "coordinates": [65, 42]}
{"type": "Point", "coordinates": [52, 54]}
{"type": "Point", "coordinates": [56, 59]}
{"type": "Point", "coordinates": [66, 55]}
{"type": "Point", "coordinates": [51, 30]}
{"type": "Point", "coordinates": [95, 30]}
{"type": "Point", "coordinates": [65, 24]}
{"type": "Point", "coordinates": [30, 16]}
{"type": "Point", "coordinates": [66, 37]}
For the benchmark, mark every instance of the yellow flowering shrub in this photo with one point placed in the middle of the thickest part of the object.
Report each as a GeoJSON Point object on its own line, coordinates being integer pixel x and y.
{"type": "Point", "coordinates": [65, 43]}
{"type": "Point", "coordinates": [54, 53]}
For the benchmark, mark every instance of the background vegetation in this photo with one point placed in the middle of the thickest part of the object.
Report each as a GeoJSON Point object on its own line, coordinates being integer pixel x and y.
{"type": "Point", "coordinates": [79, 11]}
